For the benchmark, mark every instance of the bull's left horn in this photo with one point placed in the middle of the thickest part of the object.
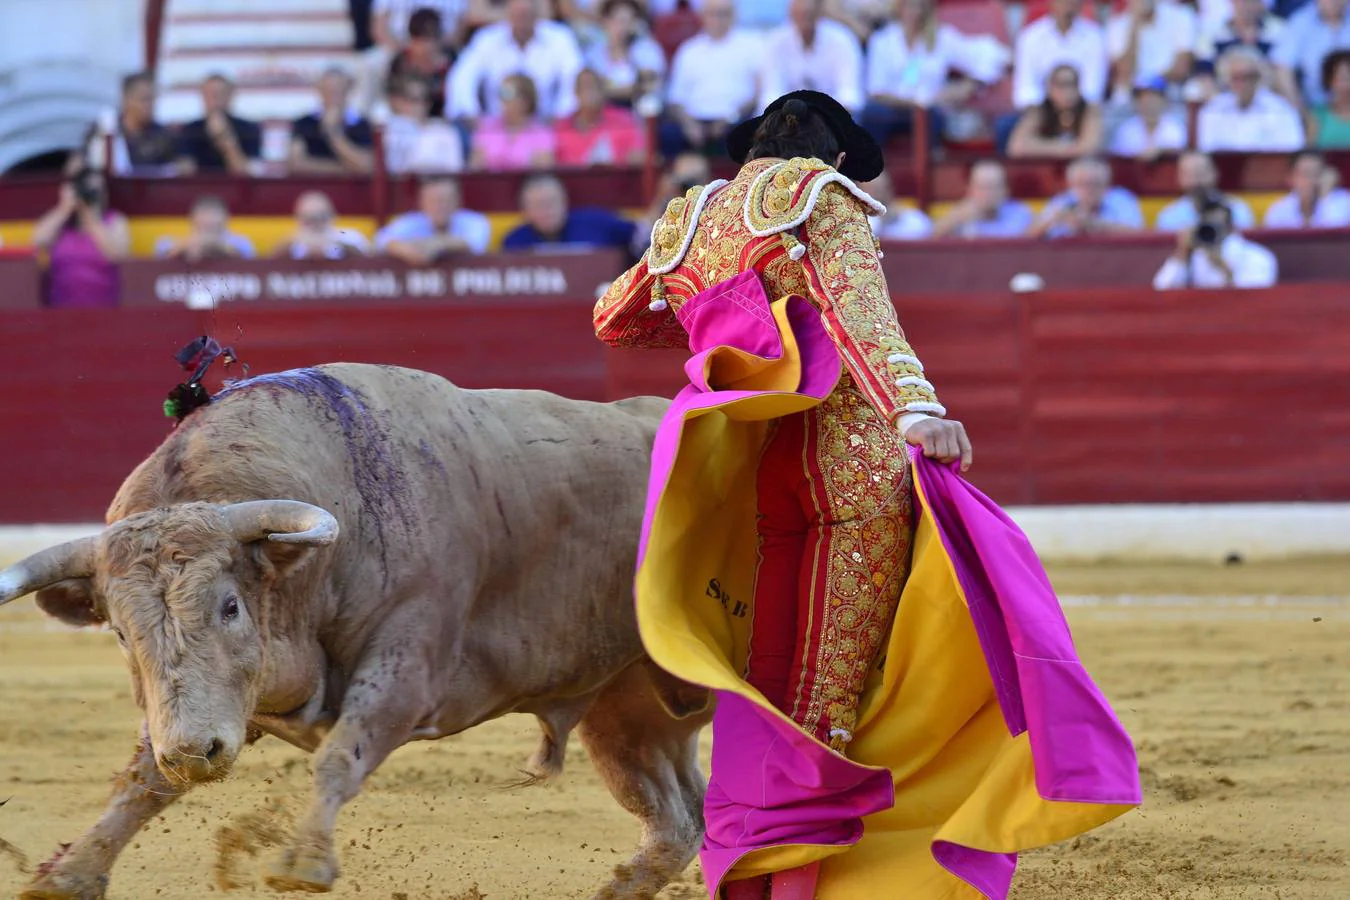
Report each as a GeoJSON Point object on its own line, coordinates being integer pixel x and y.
{"type": "Point", "coordinates": [285, 521]}
{"type": "Point", "coordinates": [70, 560]}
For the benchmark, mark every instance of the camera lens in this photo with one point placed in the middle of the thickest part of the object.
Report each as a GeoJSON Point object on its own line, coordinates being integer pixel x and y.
{"type": "Point", "coordinates": [1205, 233]}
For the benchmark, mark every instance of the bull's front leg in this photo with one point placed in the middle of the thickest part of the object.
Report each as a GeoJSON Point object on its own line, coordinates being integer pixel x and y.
{"type": "Point", "coordinates": [385, 702]}
{"type": "Point", "coordinates": [81, 871]}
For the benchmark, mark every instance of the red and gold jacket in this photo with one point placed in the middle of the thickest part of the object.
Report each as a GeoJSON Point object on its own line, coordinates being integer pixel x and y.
{"type": "Point", "coordinates": [805, 229]}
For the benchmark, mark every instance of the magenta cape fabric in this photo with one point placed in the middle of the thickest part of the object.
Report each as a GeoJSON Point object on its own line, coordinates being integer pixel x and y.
{"type": "Point", "coordinates": [771, 783]}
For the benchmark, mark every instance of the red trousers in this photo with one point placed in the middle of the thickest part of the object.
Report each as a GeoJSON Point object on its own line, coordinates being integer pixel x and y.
{"type": "Point", "coordinates": [835, 529]}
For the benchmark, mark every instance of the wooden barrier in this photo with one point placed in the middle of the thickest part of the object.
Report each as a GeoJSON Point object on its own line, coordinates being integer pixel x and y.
{"type": "Point", "coordinates": [1070, 397]}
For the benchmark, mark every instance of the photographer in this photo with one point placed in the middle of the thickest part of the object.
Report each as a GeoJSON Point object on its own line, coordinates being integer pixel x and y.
{"type": "Point", "coordinates": [84, 241]}
{"type": "Point", "coordinates": [1213, 255]}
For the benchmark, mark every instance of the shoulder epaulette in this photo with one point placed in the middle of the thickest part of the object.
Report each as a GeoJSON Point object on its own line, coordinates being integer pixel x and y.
{"type": "Point", "coordinates": [673, 232]}
{"type": "Point", "coordinates": [783, 195]}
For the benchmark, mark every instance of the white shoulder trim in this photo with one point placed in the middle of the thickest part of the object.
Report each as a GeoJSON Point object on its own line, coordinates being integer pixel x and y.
{"type": "Point", "coordinates": [674, 263]}
{"type": "Point", "coordinates": [874, 207]}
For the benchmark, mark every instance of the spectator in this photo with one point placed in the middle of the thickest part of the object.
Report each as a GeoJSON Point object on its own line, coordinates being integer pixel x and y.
{"type": "Point", "coordinates": [1251, 25]}
{"type": "Point", "coordinates": [545, 51]}
{"type": "Point", "coordinates": [686, 171]}
{"type": "Point", "coordinates": [209, 235]}
{"type": "Point", "coordinates": [425, 56]}
{"type": "Point", "coordinates": [713, 83]}
{"type": "Point", "coordinates": [392, 21]}
{"type": "Point", "coordinates": [809, 52]}
{"type": "Point", "coordinates": [1199, 182]}
{"type": "Point", "coordinates": [1090, 206]}
{"type": "Point", "coordinates": [863, 17]}
{"type": "Point", "coordinates": [219, 141]}
{"type": "Point", "coordinates": [1063, 37]}
{"type": "Point", "coordinates": [1330, 123]}
{"type": "Point", "coordinates": [317, 235]}
{"type": "Point", "coordinates": [413, 141]}
{"type": "Point", "coordinates": [1151, 39]}
{"type": "Point", "coordinates": [987, 211]}
{"type": "Point", "coordinates": [1247, 116]}
{"type": "Point", "coordinates": [910, 63]}
{"type": "Point", "coordinates": [548, 221]}
{"type": "Point", "coordinates": [628, 60]}
{"type": "Point", "coordinates": [516, 139]}
{"type": "Point", "coordinates": [336, 139]}
{"type": "Point", "coordinates": [1314, 200]}
{"type": "Point", "coordinates": [1213, 255]}
{"type": "Point", "coordinates": [1313, 32]}
{"type": "Point", "coordinates": [1153, 130]}
{"type": "Point", "coordinates": [901, 222]}
{"type": "Point", "coordinates": [84, 241]}
{"type": "Point", "coordinates": [438, 228]}
{"type": "Point", "coordinates": [599, 133]}
{"type": "Point", "coordinates": [141, 146]}
{"type": "Point", "coordinates": [1062, 126]}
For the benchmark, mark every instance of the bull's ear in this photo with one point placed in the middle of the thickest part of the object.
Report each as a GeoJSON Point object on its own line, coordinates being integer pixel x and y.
{"type": "Point", "coordinates": [72, 601]}
{"type": "Point", "coordinates": [278, 560]}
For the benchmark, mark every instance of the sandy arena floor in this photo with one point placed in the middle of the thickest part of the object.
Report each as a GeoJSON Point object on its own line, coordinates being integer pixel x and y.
{"type": "Point", "coordinates": [1239, 701]}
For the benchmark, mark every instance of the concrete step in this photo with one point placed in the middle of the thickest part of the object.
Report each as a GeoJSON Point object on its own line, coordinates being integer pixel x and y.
{"type": "Point", "coordinates": [319, 31]}
{"type": "Point", "coordinates": [241, 7]}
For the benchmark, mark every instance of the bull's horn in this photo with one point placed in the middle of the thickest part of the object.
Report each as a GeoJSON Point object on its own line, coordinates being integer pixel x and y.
{"type": "Point", "coordinates": [70, 560]}
{"type": "Point", "coordinates": [285, 521]}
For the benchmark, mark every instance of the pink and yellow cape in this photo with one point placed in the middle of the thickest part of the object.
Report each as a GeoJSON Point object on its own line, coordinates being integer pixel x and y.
{"type": "Point", "coordinates": [980, 733]}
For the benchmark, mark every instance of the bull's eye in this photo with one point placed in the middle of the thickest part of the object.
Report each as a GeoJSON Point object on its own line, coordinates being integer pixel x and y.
{"type": "Point", "coordinates": [230, 611]}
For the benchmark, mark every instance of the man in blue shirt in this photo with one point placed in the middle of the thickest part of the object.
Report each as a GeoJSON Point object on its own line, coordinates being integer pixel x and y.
{"type": "Point", "coordinates": [437, 228]}
{"type": "Point", "coordinates": [1199, 182]}
{"type": "Point", "coordinates": [1090, 205]}
{"type": "Point", "coordinates": [549, 223]}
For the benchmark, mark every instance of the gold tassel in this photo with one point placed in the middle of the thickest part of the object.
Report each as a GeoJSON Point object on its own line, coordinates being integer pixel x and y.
{"type": "Point", "coordinates": [658, 295]}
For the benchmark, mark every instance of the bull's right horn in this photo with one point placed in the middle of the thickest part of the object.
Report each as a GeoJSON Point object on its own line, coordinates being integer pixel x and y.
{"type": "Point", "coordinates": [70, 560]}
{"type": "Point", "coordinates": [284, 521]}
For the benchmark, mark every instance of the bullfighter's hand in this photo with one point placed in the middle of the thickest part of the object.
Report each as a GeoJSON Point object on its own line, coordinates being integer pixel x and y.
{"type": "Point", "coordinates": [942, 439]}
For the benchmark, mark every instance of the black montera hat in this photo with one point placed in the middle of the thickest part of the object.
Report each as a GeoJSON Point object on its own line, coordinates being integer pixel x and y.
{"type": "Point", "coordinates": [863, 159]}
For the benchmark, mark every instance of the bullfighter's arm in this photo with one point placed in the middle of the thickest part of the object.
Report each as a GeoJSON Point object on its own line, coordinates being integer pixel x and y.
{"type": "Point", "coordinates": [624, 317]}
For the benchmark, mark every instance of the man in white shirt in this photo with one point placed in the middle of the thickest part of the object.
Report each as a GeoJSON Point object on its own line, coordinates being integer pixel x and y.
{"type": "Point", "coordinates": [413, 140]}
{"type": "Point", "coordinates": [438, 228]}
{"type": "Point", "coordinates": [713, 83]}
{"type": "Point", "coordinates": [1063, 37]}
{"type": "Point", "coordinates": [812, 53]}
{"type": "Point", "coordinates": [1247, 116]}
{"type": "Point", "coordinates": [1198, 179]}
{"type": "Point", "coordinates": [1314, 200]}
{"type": "Point", "coordinates": [1151, 39]}
{"type": "Point", "coordinates": [1212, 255]}
{"type": "Point", "coordinates": [521, 44]}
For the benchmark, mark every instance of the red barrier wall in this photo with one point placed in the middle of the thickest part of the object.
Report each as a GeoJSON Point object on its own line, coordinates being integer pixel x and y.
{"type": "Point", "coordinates": [1117, 395]}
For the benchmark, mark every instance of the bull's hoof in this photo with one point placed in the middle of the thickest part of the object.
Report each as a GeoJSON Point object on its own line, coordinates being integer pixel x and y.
{"type": "Point", "coordinates": [66, 886]}
{"type": "Point", "coordinates": [307, 869]}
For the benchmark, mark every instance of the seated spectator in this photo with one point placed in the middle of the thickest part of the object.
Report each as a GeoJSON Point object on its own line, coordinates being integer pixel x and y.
{"type": "Point", "coordinates": [986, 211]}
{"type": "Point", "coordinates": [84, 241]}
{"type": "Point", "coordinates": [1090, 206]}
{"type": "Point", "coordinates": [1251, 25]}
{"type": "Point", "coordinates": [1312, 33]}
{"type": "Point", "coordinates": [219, 141]}
{"type": "Point", "coordinates": [901, 222]}
{"type": "Point", "coordinates": [1247, 116]}
{"type": "Point", "coordinates": [1153, 130]}
{"type": "Point", "coordinates": [438, 228]}
{"type": "Point", "coordinates": [141, 146]}
{"type": "Point", "coordinates": [809, 52]}
{"type": "Point", "coordinates": [413, 141]}
{"type": "Point", "coordinates": [1213, 255]}
{"type": "Point", "coordinates": [688, 170]}
{"type": "Point", "coordinates": [1151, 39]}
{"type": "Point", "coordinates": [712, 83]}
{"type": "Point", "coordinates": [1314, 200]}
{"type": "Point", "coordinates": [335, 139]}
{"type": "Point", "coordinates": [546, 52]}
{"type": "Point", "coordinates": [515, 139]}
{"type": "Point", "coordinates": [392, 21]}
{"type": "Point", "coordinates": [910, 63]}
{"type": "Point", "coordinates": [628, 60]}
{"type": "Point", "coordinates": [1330, 125]}
{"type": "Point", "coordinates": [549, 222]}
{"type": "Point", "coordinates": [1062, 126]}
{"type": "Point", "coordinates": [1199, 182]}
{"type": "Point", "coordinates": [1063, 37]}
{"type": "Point", "coordinates": [425, 56]}
{"type": "Point", "coordinates": [208, 237]}
{"type": "Point", "coordinates": [317, 235]}
{"type": "Point", "coordinates": [598, 133]}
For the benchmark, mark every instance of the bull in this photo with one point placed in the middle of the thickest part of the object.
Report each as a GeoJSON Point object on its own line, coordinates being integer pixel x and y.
{"type": "Point", "coordinates": [353, 557]}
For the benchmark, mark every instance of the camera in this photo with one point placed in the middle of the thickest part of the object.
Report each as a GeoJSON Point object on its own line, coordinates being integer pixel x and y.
{"type": "Point", "coordinates": [86, 187]}
{"type": "Point", "coordinates": [1208, 233]}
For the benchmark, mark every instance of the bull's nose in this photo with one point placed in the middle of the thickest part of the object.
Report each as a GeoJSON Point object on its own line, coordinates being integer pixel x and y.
{"type": "Point", "coordinates": [193, 762]}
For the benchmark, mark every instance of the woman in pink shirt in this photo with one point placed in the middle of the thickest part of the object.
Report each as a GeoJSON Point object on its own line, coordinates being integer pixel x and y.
{"type": "Point", "coordinates": [515, 139]}
{"type": "Point", "coordinates": [599, 133]}
{"type": "Point", "coordinates": [84, 242]}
